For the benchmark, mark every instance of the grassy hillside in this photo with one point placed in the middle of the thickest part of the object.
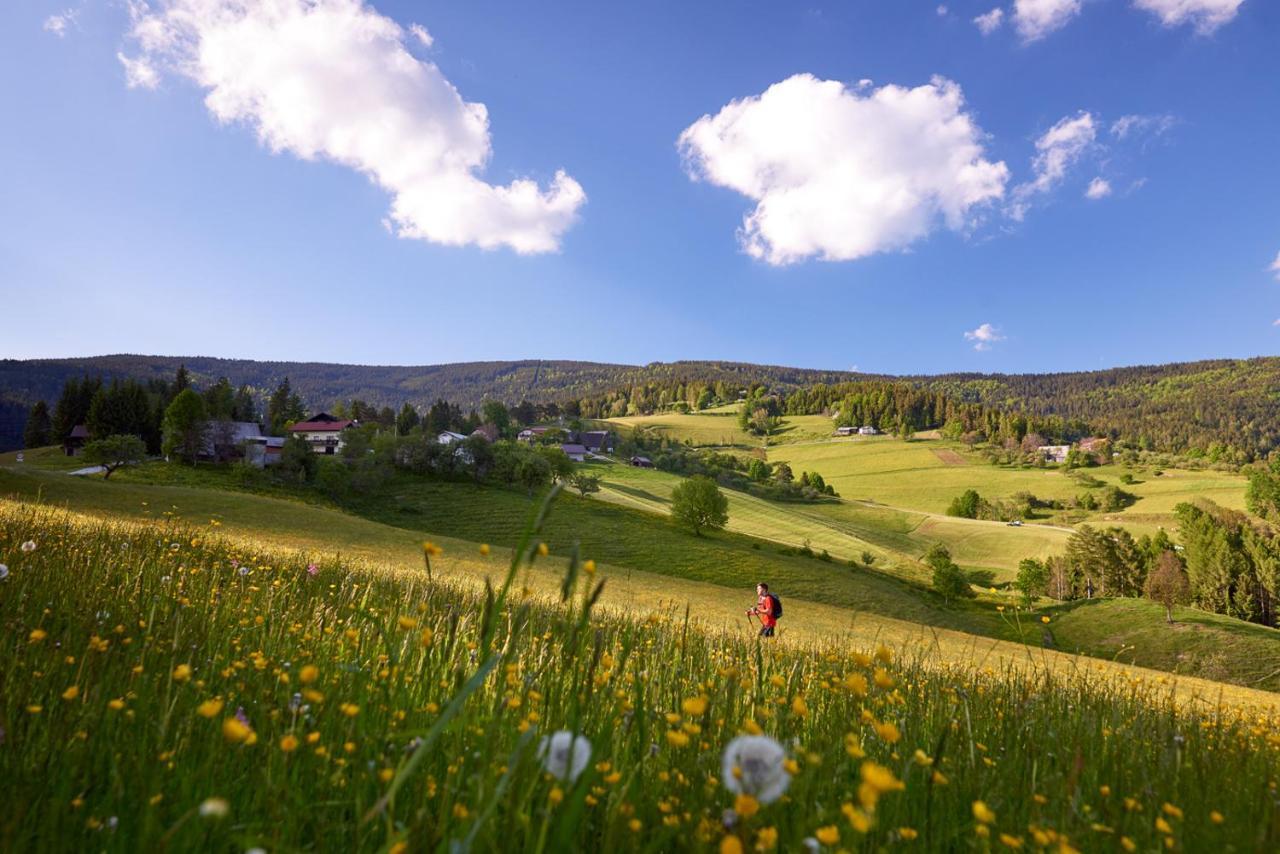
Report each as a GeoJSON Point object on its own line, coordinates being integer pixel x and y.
{"type": "Point", "coordinates": [719, 428]}
{"type": "Point", "coordinates": [646, 558]}
{"type": "Point", "coordinates": [846, 528]}
{"type": "Point", "coordinates": [237, 698]}
{"type": "Point", "coordinates": [926, 474]}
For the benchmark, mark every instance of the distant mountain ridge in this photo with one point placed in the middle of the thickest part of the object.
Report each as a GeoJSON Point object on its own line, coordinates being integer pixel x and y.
{"type": "Point", "coordinates": [1175, 406]}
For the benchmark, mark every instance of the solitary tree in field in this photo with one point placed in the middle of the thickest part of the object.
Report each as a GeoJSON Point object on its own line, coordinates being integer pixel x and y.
{"type": "Point", "coordinates": [948, 578]}
{"type": "Point", "coordinates": [1032, 580]}
{"type": "Point", "coordinates": [1167, 583]}
{"type": "Point", "coordinates": [185, 426]}
{"type": "Point", "coordinates": [585, 483]}
{"type": "Point", "coordinates": [699, 503]}
{"type": "Point", "coordinates": [115, 451]}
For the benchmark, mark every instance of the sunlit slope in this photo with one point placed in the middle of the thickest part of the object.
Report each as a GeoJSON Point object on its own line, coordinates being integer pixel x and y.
{"type": "Point", "coordinates": [847, 528]}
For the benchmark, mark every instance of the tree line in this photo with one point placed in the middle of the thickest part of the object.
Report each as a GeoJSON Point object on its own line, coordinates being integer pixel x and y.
{"type": "Point", "coordinates": [1224, 562]}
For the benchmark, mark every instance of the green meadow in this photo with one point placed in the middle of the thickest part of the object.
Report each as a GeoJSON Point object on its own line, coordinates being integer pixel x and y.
{"type": "Point", "coordinates": [648, 559]}
{"type": "Point", "coordinates": [194, 690]}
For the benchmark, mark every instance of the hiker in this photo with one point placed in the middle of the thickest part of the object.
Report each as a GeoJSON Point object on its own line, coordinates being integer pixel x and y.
{"type": "Point", "coordinates": [768, 608]}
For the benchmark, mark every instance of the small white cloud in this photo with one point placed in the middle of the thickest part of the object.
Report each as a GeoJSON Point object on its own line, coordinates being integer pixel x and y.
{"type": "Point", "coordinates": [1058, 149]}
{"type": "Point", "coordinates": [1275, 267]}
{"type": "Point", "coordinates": [1099, 188]}
{"type": "Point", "coordinates": [420, 33]}
{"type": "Point", "coordinates": [942, 11]}
{"type": "Point", "coordinates": [334, 80]}
{"type": "Point", "coordinates": [983, 337]}
{"type": "Point", "coordinates": [841, 173]}
{"type": "Point", "coordinates": [138, 73]}
{"type": "Point", "coordinates": [989, 22]}
{"type": "Point", "coordinates": [1135, 125]}
{"type": "Point", "coordinates": [1035, 19]}
{"type": "Point", "coordinates": [1205, 15]}
{"type": "Point", "coordinates": [1276, 322]}
{"type": "Point", "coordinates": [58, 22]}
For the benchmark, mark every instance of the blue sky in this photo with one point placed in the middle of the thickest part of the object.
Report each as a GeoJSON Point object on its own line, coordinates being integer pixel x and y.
{"type": "Point", "coordinates": [134, 219]}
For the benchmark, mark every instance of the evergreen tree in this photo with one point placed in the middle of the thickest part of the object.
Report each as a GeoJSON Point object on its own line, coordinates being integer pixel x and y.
{"type": "Point", "coordinates": [284, 407]}
{"type": "Point", "coordinates": [406, 420]}
{"type": "Point", "coordinates": [185, 427]}
{"type": "Point", "coordinates": [39, 429]}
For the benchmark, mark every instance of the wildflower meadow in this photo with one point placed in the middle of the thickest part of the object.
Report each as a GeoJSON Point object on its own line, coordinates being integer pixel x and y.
{"type": "Point", "coordinates": [163, 687]}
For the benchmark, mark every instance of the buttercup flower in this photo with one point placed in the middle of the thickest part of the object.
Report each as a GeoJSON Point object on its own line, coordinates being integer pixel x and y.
{"type": "Point", "coordinates": [754, 764]}
{"type": "Point", "coordinates": [564, 754]}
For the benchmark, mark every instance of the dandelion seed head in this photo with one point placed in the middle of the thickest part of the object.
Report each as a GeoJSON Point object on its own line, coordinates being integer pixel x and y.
{"type": "Point", "coordinates": [564, 755]}
{"type": "Point", "coordinates": [756, 765]}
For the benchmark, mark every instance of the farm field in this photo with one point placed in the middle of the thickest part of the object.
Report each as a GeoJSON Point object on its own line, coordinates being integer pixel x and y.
{"type": "Point", "coordinates": [848, 528]}
{"type": "Point", "coordinates": [297, 701]}
{"type": "Point", "coordinates": [719, 428]}
{"type": "Point", "coordinates": [926, 474]}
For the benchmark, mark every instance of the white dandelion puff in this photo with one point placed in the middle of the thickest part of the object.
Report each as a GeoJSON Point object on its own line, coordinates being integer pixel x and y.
{"type": "Point", "coordinates": [564, 754]}
{"type": "Point", "coordinates": [754, 764]}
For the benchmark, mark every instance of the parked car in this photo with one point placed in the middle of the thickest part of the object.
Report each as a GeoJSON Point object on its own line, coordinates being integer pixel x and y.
{"type": "Point", "coordinates": [1016, 523]}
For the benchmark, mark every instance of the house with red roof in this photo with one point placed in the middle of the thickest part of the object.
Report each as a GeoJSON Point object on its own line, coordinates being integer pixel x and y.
{"type": "Point", "coordinates": [323, 432]}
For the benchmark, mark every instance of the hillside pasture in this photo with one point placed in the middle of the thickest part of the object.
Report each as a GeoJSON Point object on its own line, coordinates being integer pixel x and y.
{"type": "Point", "coordinates": [913, 476]}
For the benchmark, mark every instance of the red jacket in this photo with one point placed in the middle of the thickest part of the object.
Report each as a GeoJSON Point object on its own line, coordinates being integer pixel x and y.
{"type": "Point", "coordinates": [764, 608]}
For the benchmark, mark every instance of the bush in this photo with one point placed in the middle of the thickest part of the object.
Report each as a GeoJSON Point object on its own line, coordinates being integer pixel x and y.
{"type": "Point", "coordinates": [966, 505]}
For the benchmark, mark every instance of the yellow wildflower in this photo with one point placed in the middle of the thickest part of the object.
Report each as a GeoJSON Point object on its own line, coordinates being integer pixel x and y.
{"type": "Point", "coordinates": [982, 813]}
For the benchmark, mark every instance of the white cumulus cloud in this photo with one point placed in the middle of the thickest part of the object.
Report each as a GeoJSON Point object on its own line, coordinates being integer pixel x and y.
{"type": "Point", "coordinates": [989, 22]}
{"type": "Point", "coordinates": [1056, 151]}
{"type": "Point", "coordinates": [1035, 19]}
{"type": "Point", "coordinates": [983, 337]}
{"type": "Point", "coordinates": [1099, 188]}
{"type": "Point", "coordinates": [841, 173]}
{"type": "Point", "coordinates": [1275, 267]}
{"type": "Point", "coordinates": [57, 23]}
{"type": "Point", "coordinates": [1205, 15]}
{"type": "Point", "coordinates": [334, 80]}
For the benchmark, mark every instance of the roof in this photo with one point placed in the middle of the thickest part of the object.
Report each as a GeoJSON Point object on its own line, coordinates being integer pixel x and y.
{"type": "Point", "coordinates": [573, 449]}
{"type": "Point", "coordinates": [328, 424]}
{"type": "Point", "coordinates": [535, 430]}
{"type": "Point", "coordinates": [595, 439]}
{"type": "Point", "coordinates": [487, 431]}
{"type": "Point", "coordinates": [452, 435]}
{"type": "Point", "coordinates": [79, 432]}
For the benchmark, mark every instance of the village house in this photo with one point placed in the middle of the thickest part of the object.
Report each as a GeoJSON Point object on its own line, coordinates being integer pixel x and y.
{"type": "Point", "coordinates": [225, 439]}
{"type": "Point", "coordinates": [642, 462]}
{"type": "Point", "coordinates": [531, 434]}
{"type": "Point", "coordinates": [597, 441]}
{"type": "Point", "coordinates": [323, 432]}
{"type": "Point", "coordinates": [1054, 453]}
{"type": "Point", "coordinates": [263, 451]}
{"type": "Point", "coordinates": [75, 441]}
{"type": "Point", "coordinates": [488, 432]}
{"type": "Point", "coordinates": [448, 437]}
{"type": "Point", "coordinates": [846, 431]}
{"type": "Point", "coordinates": [868, 430]}
{"type": "Point", "coordinates": [575, 451]}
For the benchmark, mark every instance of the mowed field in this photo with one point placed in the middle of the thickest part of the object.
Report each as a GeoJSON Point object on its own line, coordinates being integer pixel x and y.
{"type": "Point", "coordinates": [719, 428]}
{"type": "Point", "coordinates": [846, 529]}
{"type": "Point", "coordinates": [927, 473]}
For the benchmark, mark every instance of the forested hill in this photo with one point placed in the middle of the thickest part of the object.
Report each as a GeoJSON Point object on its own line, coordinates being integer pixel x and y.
{"type": "Point", "coordinates": [321, 385]}
{"type": "Point", "coordinates": [1177, 407]}
{"type": "Point", "coordinates": [1181, 406]}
